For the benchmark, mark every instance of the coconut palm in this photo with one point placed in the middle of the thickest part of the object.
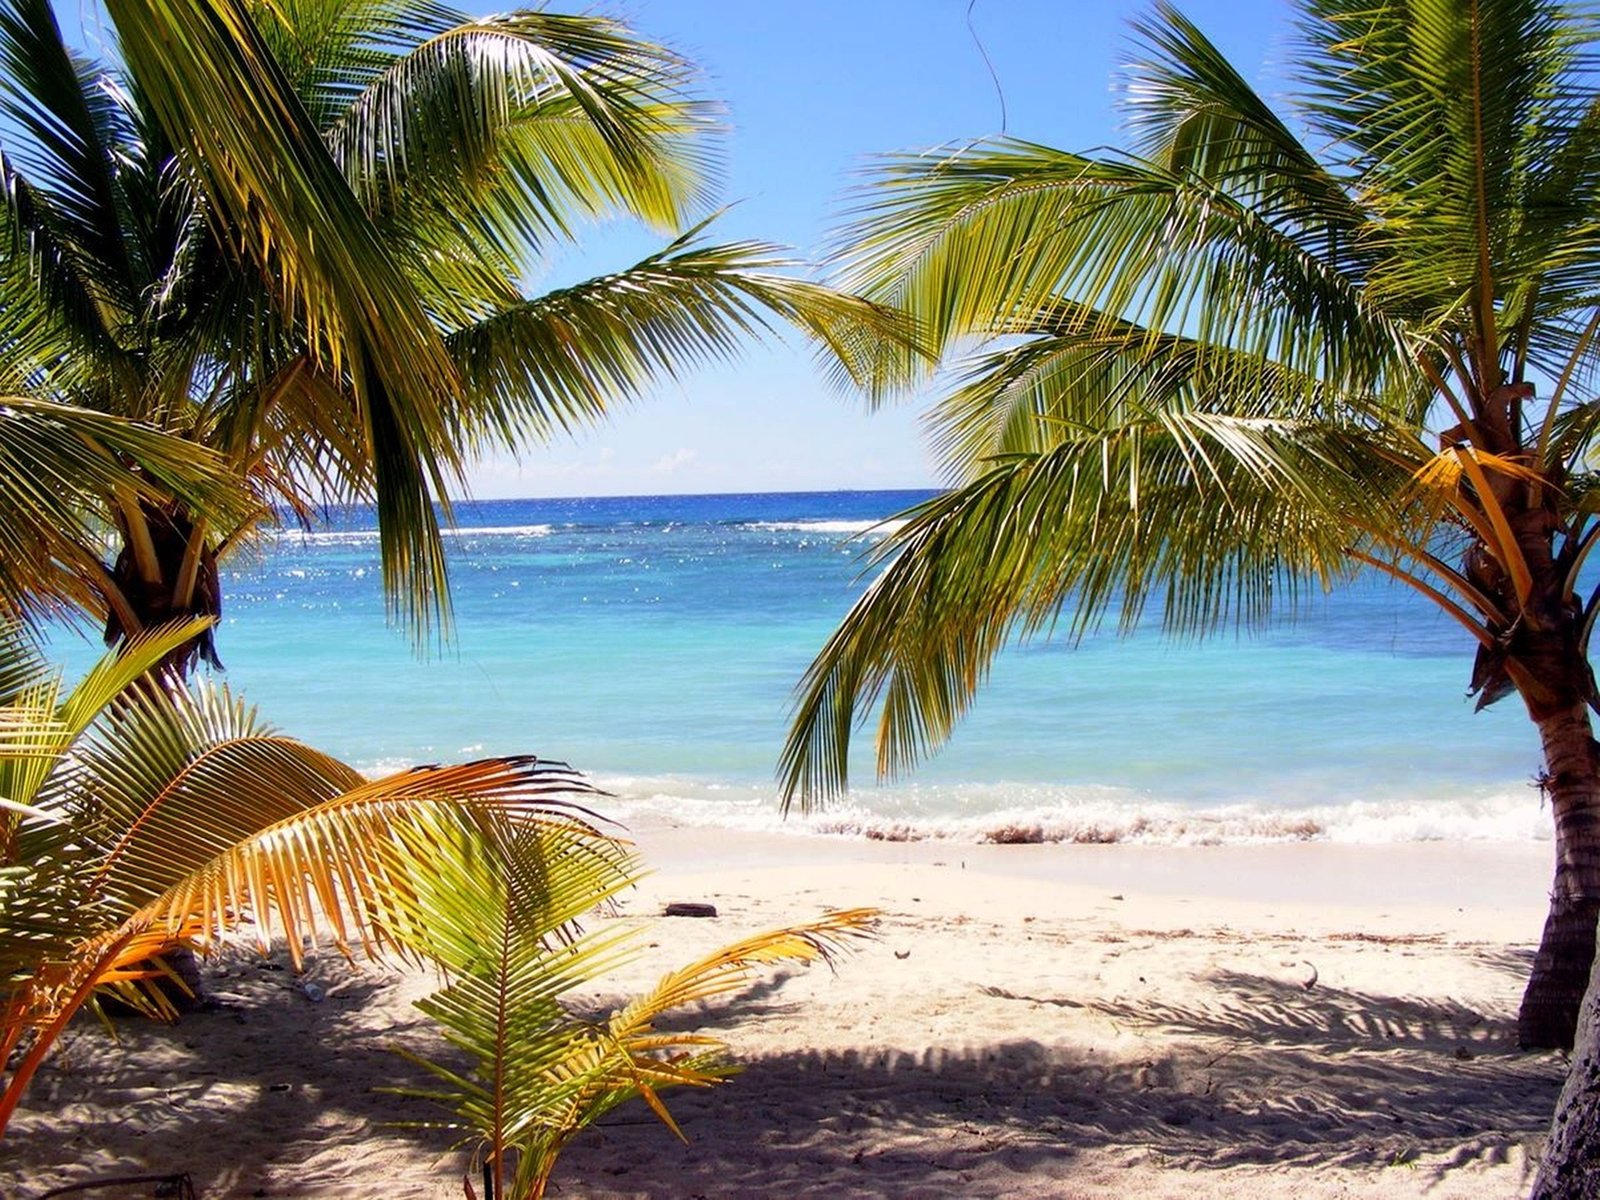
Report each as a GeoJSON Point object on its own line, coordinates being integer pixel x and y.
{"type": "Point", "coordinates": [292, 233]}
{"type": "Point", "coordinates": [499, 915]}
{"type": "Point", "coordinates": [58, 465]}
{"type": "Point", "coordinates": [1219, 367]}
{"type": "Point", "coordinates": [137, 818]}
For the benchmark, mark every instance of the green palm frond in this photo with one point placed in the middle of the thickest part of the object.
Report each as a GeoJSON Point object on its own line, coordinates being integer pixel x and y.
{"type": "Point", "coordinates": [1220, 366]}
{"type": "Point", "coordinates": [58, 466]}
{"type": "Point", "coordinates": [970, 244]}
{"type": "Point", "coordinates": [1220, 515]}
{"type": "Point", "coordinates": [203, 69]}
{"type": "Point", "coordinates": [71, 130]}
{"type": "Point", "coordinates": [257, 229]}
{"type": "Point", "coordinates": [1069, 368]}
{"type": "Point", "coordinates": [45, 858]}
{"type": "Point", "coordinates": [138, 816]}
{"type": "Point", "coordinates": [496, 905]}
{"type": "Point", "coordinates": [538, 118]}
{"type": "Point", "coordinates": [1191, 111]}
{"type": "Point", "coordinates": [36, 771]}
{"type": "Point", "coordinates": [560, 361]}
{"type": "Point", "coordinates": [1451, 114]}
{"type": "Point", "coordinates": [179, 819]}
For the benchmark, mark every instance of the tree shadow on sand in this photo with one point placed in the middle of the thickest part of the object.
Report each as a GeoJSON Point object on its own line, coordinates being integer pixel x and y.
{"type": "Point", "coordinates": [284, 1099]}
{"type": "Point", "coordinates": [1324, 1077]}
{"type": "Point", "coordinates": [1258, 1074]}
{"type": "Point", "coordinates": [1268, 1010]}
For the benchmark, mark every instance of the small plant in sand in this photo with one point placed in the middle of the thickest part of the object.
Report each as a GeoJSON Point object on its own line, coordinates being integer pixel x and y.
{"type": "Point", "coordinates": [138, 817]}
{"type": "Point", "coordinates": [496, 908]}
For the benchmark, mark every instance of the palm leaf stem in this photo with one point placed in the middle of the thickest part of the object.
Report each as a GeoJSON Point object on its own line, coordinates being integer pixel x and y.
{"type": "Point", "coordinates": [249, 456]}
{"type": "Point", "coordinates": [226, 542]}
{"type": "Point", "coordinates": [502, 1019]}
{"type": "Point", "coordinates": [1463, 418]}
{"type": "Point", "coordinates": [1488, 337]}
{"type": "Point", "coordinates": [1505, 541]}
{"type": "Point", "coordinates": [139, 539]}
{"type": "Point", "coordinates": [101, 583]}
{"type": "Point", "coordinates": [1456, 497]}
{"type": "Point", "coordinates": [24, 1071]}
{"type": "Point", "coordinates": [1523, 334]}
{"type": "Point", "coordinates": [189, 568]}
{"type": "Point", "coordinates": [1475, 628]}
{"type": "Point", "coordinates": [1569, 586]}
{"type": "Point", "coordinates": [1463, 372]}
{"type": "Point", "coordinates": [1553, 410]}
{"type": "Point", "coordinates": [1438, 567]}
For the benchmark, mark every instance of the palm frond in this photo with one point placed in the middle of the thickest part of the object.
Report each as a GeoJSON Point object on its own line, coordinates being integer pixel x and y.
{"type": "Point", "coordinates": [496, 905]}
{"type": "Point", "coordinates": [560, 361]}
{"type": "Point", "coordinates": [1444, 110]}
{"type": "Point", "coordinates": [58, 466]}
{"type": "Point", "coordinates": [71, 127]}
{"type": "Point", "coordinates": [204, 70]}
{"type": "Point", "coordinates": [973, 242]}
{"type": "Point", "coordinates": [267, 825]}
{"type": "Point", "coordinates": [537, 117]}
{"type": "Point", "coordinates": [1222, 516]}
{"type": "Point", "coordinates": [181, 820]}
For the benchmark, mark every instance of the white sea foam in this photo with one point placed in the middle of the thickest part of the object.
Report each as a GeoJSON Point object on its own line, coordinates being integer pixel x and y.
{"type": "Point", "coordinates": [364, 537]}
{"type": "Point", "coordinates": [331, 537]}
{"type": "Point", "coordinates": [1035, 814]}
{"type": "Point", "coordinates": [843, 528]}
{"type": "Point", "coordinates": [498, 531]}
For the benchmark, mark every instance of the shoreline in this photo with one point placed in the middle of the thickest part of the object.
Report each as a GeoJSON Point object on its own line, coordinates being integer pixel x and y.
{"type": "Point", "coordinates": [1033, 1021]}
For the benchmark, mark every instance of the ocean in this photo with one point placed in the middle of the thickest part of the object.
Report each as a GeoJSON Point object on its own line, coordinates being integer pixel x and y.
{"type": "Point", "coordinates": [655, 642]}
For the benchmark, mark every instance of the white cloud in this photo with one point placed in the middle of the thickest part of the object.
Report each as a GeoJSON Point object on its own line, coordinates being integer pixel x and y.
{"type": "Point", "coordinates": [681, 457]}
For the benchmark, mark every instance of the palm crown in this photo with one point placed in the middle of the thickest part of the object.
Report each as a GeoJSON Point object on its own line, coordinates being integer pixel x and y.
{"type": "Point", "coordinates": [1220, 365]}
{"type": "Point", "coordinates": [292, 233]}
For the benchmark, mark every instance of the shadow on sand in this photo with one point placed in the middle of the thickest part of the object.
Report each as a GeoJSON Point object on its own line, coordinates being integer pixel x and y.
{"type": "Point", "coordinates": [1303, 1077]}
{"type": "Point", "coordinates": [1262, 1074]}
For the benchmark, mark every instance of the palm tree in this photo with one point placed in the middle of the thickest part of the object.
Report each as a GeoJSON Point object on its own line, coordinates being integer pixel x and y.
{"type": "Point", "coordinates": [499, 915]}
{"type": "Point", "coordinates": [1219, 367]}
{"type": "Point", "coordinates": [58, 464]}
{"type": "Point", "coordinates": [138, 818]}
{"type": "Point", "coordinates": [291, 233]}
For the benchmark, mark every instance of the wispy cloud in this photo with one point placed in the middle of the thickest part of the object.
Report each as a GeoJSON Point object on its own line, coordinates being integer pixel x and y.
{"type": "Point", "coordinates": [681, 457]}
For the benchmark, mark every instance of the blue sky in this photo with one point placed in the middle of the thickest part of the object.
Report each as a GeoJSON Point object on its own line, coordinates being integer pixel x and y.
{"type": "Point", "coordinates": [812, 89]}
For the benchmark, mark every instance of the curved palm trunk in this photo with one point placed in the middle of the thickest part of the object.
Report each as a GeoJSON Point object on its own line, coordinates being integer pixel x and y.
{"type": "Point", "coordinates": [166, 570]}
{"type": "Point", "coordinates": [1555, 990]}
{"type": "Point", "coordinates": [1539, 652]}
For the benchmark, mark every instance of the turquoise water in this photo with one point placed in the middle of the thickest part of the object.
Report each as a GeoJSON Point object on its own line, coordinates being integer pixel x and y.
{"type": "Point", "coordinates": [655, 641]}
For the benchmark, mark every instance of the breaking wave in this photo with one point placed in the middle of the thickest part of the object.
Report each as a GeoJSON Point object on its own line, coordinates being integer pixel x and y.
{"type": "Point", "coordinates": [1030, 814]}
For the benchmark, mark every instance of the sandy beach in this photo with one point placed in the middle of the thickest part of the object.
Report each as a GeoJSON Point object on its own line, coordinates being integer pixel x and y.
{"type": "Point", "coordinates": [1309, 1020]}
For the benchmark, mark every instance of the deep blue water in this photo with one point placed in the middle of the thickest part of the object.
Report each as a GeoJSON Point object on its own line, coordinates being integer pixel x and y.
{"type": "Point", "coordinates": [655, 642]}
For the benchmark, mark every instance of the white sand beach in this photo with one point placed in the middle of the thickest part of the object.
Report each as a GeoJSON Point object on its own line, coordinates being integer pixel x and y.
{"type": "Point", "coordinates": [1308, 1020]}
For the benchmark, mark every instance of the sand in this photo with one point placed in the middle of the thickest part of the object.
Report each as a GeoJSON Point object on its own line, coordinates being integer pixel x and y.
{"type": "Point", "coordinates": [1032, 1021]}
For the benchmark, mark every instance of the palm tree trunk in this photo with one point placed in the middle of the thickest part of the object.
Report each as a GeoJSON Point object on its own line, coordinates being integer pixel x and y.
{"type": "Point", "coordinates": [1570, 1168]}
{"type": "Point", "coordinates": [1555, 990]}
{"type": "Point", "coordinates": [166, 571]}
